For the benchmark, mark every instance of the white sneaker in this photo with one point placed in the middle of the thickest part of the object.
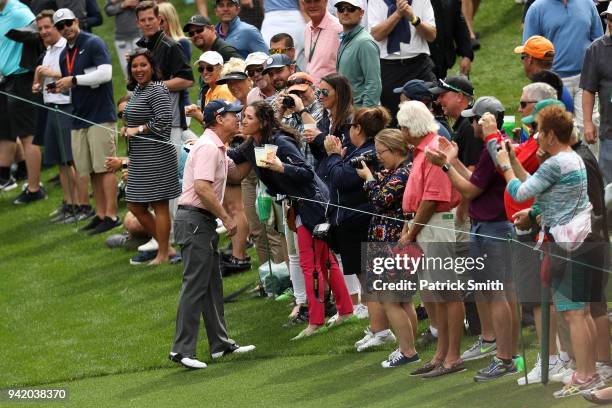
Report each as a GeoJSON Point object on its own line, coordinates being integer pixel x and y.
{"type": "Point", "coordinates": [604, 370]}
{"type": "Point", "coordinates": [332, 320]}
{"type": "Point", "coordinates": [220, 227]}
{"type": "Point", "coordinates": [361, 311]}
{"type": "Point", "coordinates": [535, 375]}
{"type": "Point", "coordinates": [191, 363]}
{"type": "Point", "coordinates": [378, 339]}
{"type": "Point", "coordinates": [368, 336]}
{"type": "Point", "coordinates": [237, 350]}
{"type": "Point", "coordinates": [151, 245]}
{"type": "Point", "coordinates": [564, 373]}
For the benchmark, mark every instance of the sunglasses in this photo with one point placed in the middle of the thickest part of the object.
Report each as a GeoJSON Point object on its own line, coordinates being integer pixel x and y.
{"type": "Point", "coordinates": [66, 23]}
{"type": "Point", "coordinates": [298, 81]}
{"type": "Point", "coordinates": [350, 9]}
{"type": "Point", "coordinates": [273, 51]}
{"type": "Point", "coordinates": [193, 32]}
{"type": "Point", "coordinates": [137, 52]}
{"type": "Point", "coordinates": [325, 92]}
{"type": "Point", "coordinates": [208, 68]}
{"type": "Point", "coordinates": [444, 85]}
{"type": "Point", "coordinates": [251, 72]}
{"type": "Point", "coordinates": [524, 104]}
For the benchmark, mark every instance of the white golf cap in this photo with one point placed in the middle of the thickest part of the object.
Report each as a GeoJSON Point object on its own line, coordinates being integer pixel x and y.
{"type": "Point", "coordinates": [608, 11]}
{"type": "Point", "coordinates": [211, 58]}
{"type": "Point", "coordinates": [63, 14]}
{"type": "Point", "coordinates": [256, 58]}
{"type": "Point", "coordinates": [356, 3]}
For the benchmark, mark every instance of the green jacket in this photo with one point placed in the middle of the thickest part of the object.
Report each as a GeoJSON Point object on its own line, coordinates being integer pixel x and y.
{"type": "Point", "coordinates": [359, 60]}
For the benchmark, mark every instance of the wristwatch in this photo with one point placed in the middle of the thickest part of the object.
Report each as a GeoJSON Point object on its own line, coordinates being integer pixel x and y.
{"type": "Point", "coordinates": [124, 164]}
{"type": "Point", "coordinates": [505, 168]}
{"type": "Point", "coordinates": [446, 167]}
{"type": "Point", "coordinates": [141, 129]}
{"type": "Point", "coordinates": [74, 80]}
{"type": "Point", "coordinates": [416, 21]}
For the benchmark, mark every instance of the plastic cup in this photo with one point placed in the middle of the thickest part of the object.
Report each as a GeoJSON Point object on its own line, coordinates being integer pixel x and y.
{"type": "Point", "coordinates": [310, 126]}
{"type": "Point", "coordinates": [260, 155]}
{"type": "Point", "coordinates": [270, 151]}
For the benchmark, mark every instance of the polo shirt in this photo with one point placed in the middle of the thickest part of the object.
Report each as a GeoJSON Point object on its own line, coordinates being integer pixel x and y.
{"type": "Point", "coordinates": [14, 15]}
{"type": "Point", "coordinates": [526, 154]}
{"type": "Point", "coordinates": [96, 104]}
{"type": "Point", "coordinates": [244, 37]}
{"type": "Point", "coordinates": [428, 181]}
{"type": "Point", "coordinates": [321, 45]}
{"type": "Point", "coordinates": [570, 28]}
{"type": "Point", "coordinates": [469, 145]}
{"type": "Point", "coordinates": [51, 59]}
{"type": "Point", "coordinates": [280, 5]}
{"type": "Point", "coordinates": [219, 92]}
{"type": "Point", "coordinates": [207, 161]}
{"type": "Point", "coordinates": [597, 77]}
{"type": "Point", "coordinates": [377, 13]}
{"type": "Point", "coordinates": [489, 205]}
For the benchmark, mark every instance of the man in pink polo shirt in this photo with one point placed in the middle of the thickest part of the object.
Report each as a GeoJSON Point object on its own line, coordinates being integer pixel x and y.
{"type": "Point", "coordinates": [428, 200]}
{"type": "Point", "coordinates": [321, 39]}
{"type": "Point", "coordinates": [206, 172]}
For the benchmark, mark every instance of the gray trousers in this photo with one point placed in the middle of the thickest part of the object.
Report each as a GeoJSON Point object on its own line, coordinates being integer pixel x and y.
{"type": "Point", "coordinates": [202, 290]}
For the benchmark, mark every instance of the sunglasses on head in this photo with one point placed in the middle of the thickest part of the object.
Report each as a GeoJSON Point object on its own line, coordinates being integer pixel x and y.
{"type": "Point", "coordinates": [350, 9]}
{"type": "Point", "coordinates": [325, 92]}
{"type": "Point", "coordinates": [273, 51]}
{"type": "Point", "coordinates": [195, 31]}
{"type": "Point", "coordinates": [137, 52]}
{"type": "Point", "coordinates": [524, 103]}
{"type": "Point", "coordinates": [65, 23]}
{"type": "Point", "coordinates": [251, 72]}
{"type": "Point", "coordinates": [208, 68]}
{"type": "Point", "coordinates": [298, 81]}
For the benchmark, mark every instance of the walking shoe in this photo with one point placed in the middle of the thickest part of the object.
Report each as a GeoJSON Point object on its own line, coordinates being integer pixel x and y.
{"type": "Point", "coordinates": [440, 370]}
{"type": "Point", "coordinates": [118, 240]}
{"type": "Point", "coordinates": [604, 370]}
{"type": "Point", "coordinates": [285, 296]}
{"type": "Point", "coordinates": [368, 335]}
{"type": "Point", "coordinates": [143, 257]}
{"type": "Point", "coordinates": [429, 366]}
{"type": "Point", "coordinates": [361, 311]}
{"type": "Point", "coordinates": [397, 358]}
{"type": "Point", "coordinates": [478, 350]}
{"type": "Point", "coordinates": [300, 318]}
{"type": "Point", "coordinates": [59, 210]}
{"type": "Point", "coordinates": [8, 184]}
{"type": "Point", "coordinates": [150, 245]}
{"type": "Point", "coordinates": [426, 339]}
{"type": "Point", "coordinates": [564, 375]}
{"type": "Point", "coordinates": [95, 221]}
{"type": "Point", "coordinates": [535, 375]}
{"type": "Point", "coordinates": [28, 196]}
{"type": "Point", "coordinates": [234, 265]}
{"type": "Point", "coordinates": [84, 212]}
{"type": "Point", "coordinates": [191, 363]}
{"type": "Point", "coordinates": [495, 370]}
{"type": "Point", "coordinates": [577, 386]}
{"type": "Point", "coordinates": [107, 224]}
{"type": "Point", "coordinates": [63, 212]}
{"type": "Point", "coordinates": [235, 349]}
{"type": "Point", "coordinates": [377, 339]}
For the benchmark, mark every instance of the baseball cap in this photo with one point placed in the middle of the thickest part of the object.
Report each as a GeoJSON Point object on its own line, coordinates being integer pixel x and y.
{"type": "Point", "coordinates": [416, 89]}
{"type": "Point", "coordinates": [300, 81]}
{"type": "Point", "coordinates": [230, 76]}
{"type": "Point", "coordinates": [356, 3]}
{"type": "Point", "coordinates": [256, 58]}
{"type": "Point", "coordinates": [197, 20]}
{"type": "Point", "coordinates": [218, 107]}
{"type": "Point", "coordinates": [276, 61]}
{"type": "Point", "coordinates": [483, 105]}
{"type": "Point", "coordinates": [458, 84]}
{"type": "Point", "coordinates": [538, 107]}
{"type": "Point", "coordinates": [237, 2]}
{"type": "Point", "coordinates": [538, 47]}
{"type": "Point", "coordinates": [211, 58]}
{"type": "Point", "coordinates": [608, 10]}
{"type": "Point", "coordinates": [63, 14]}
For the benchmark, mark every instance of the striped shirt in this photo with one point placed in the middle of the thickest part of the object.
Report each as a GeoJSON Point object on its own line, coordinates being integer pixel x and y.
{"type": "Point", "coordinates": [559, 186]}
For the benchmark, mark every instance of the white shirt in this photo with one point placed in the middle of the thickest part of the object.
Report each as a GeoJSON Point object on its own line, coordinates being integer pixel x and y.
{"type": "Point", "coordinates": [51, 59]}
{"type": "Point", "coordinates": [377, 13]}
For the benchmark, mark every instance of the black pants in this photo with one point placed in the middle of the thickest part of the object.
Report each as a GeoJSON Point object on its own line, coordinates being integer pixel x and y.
{"type": "Point", "coordinates": [395, 73]}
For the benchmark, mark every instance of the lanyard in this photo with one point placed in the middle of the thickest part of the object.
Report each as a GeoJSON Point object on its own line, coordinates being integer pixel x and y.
{"type": "Point", "coordinates": [313, 46]}
{"type": "Point", "coordinates": [70, 61]}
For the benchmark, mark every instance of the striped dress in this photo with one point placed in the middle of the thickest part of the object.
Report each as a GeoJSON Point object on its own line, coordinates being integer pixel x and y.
{"type": "Point", "coordinates": [153, 169]}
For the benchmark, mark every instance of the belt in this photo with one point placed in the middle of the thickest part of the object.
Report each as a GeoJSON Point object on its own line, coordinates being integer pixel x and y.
{"type": "Point", "coordinates": [197, 209]}
{"type": "Point", "coordinates": [409, 216]}
{"type": "Point", "coordinates": [403, 61]}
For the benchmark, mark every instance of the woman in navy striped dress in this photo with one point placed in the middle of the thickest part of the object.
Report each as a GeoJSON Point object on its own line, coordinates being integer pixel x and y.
{"type": "Point", "coordinates": [153, 167]}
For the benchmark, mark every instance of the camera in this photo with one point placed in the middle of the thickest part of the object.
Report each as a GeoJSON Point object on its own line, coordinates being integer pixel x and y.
{"type": "Point", "coordinates": [367, 158]}
{"type": "Point", "coordinates": [51, 86]}
{"type": "Point", "coordinates": [288, 102]}
{"type": "Point", "coordinates": [321, 231]}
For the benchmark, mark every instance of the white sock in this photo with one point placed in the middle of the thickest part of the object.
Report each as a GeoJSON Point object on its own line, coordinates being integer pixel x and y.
{"type": "Point", "coordinates": [433, 331]}
{"type": "Point", "coordinates": [564, 356]}
{"type": "Point", "coordinates": [552, 360]}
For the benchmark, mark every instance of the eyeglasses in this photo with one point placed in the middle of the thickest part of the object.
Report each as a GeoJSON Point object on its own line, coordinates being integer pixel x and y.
{"type": "Point", "coordinates": [381, 152]}
{"type": "Point", "coordinates": [193, 32]}
{"type": "Point", "coordinates": [251, 72]}
{"type": "Point", "coordinates": [273, 51]}
{"type": "Point", "coordinates": [350, 9]}
{"type": "Point", "coordinates": [65, 23]}
{"type": "Point", "coordinates": [524, 104]}
{"type": "Point", "coordinates": [208, 68]}
{"type": "Point", "coordinates": [325, 92]}
{"type": "Point", "coordinates": [298, 81]}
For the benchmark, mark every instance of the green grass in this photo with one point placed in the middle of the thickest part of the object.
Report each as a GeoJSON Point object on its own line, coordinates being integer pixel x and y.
{"type": "Point", "coordinates": [77, 315]}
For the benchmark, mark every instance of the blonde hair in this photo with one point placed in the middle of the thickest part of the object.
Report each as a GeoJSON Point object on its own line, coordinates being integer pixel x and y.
{"type": "Point", "coordinates": [392, 139]}
{"type": "Point", "coordinates": [416, 117]}
{"type": "Point", "coordinates": [233, 65]}
{"type": "Point", "coordinates": [167, 11]}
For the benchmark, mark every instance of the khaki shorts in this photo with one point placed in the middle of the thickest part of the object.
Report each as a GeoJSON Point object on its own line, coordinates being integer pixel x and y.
{"type": "Point", "coordinates": [91, 146]}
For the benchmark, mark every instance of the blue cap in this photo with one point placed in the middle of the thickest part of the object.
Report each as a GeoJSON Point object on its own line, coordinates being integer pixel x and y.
{"type": "Point", "coordinates": [277, 61]}
{"type": "Point", "coordinates": [218, 107]}
{"type": "Point", "coordinates": [416, 89]}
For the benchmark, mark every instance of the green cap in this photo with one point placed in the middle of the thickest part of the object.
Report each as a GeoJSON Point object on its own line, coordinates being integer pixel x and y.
{"type": "Point", "coordinates": [528, 120]}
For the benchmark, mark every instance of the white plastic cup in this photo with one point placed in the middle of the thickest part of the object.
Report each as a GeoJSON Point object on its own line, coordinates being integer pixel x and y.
{"type": "Point", "coordinates": [270, 151]}
{"type": "Point", "coordinates": [310, 126]}
{"type": "Point", "coordinates": [260, 155]}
